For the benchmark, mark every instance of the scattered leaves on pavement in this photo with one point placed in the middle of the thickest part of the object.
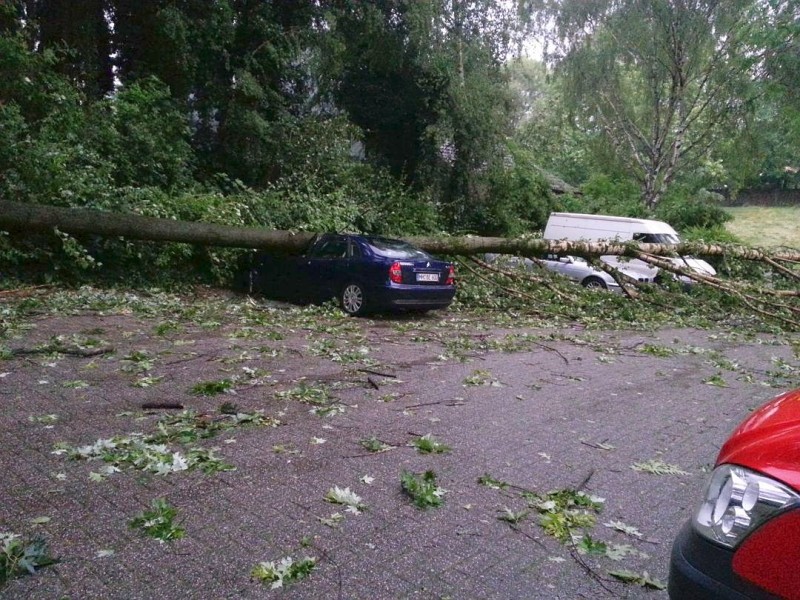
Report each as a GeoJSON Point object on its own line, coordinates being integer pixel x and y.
{"type": "Point", "coordinates": [284, 572]}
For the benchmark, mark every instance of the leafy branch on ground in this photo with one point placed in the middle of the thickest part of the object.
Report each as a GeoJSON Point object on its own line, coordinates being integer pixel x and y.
{"type": "Point", "coordinates": [151, 453]}
{"type": "Point", "coordinates": [315, 395]}
{"type": "Point", "coordinates": [511, 516]}
{"type": "Point", "coordinates": [569, 516]}
{"type": "Point", "coordinates": [422, 489]}
{"type": "Point", "coordinates": [284, 572]}
{"type": "Point", "coordinates": [564, 513]}
{"type": "Point", "coordinates": [19, 556]}
{"type": "Point", "coordinates": [642, 579]}
{"type": "Point", "coordinates": [351, 500]}
{"type": "Point", "coordinates": [481, 377]}
{"type": "Point", "coordinates": [373, 444]}
{"type": "Point", "coordinates": [159, 522]}
{"type": "Point", "coordinates": [427, 444]}
{"type": "Point", "coordinates": [656, 466]}
{"type": "Point", "coordinates": [212, 388]}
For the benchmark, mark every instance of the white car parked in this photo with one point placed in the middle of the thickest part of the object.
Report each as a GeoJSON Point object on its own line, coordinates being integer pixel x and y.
{"type": "Point", "coordinates": [577, 269]}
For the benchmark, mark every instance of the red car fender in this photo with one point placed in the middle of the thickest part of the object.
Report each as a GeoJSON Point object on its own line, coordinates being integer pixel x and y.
{"type": "Point", "coordinates": [768, 441]}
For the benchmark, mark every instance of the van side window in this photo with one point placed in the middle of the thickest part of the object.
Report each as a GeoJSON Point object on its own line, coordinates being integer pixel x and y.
{"type": "Point", "coordinates": [656, 238]}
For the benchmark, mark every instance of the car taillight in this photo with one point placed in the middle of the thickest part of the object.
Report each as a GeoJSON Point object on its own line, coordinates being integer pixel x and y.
{"type": "Point", "coordinates": [396, 273]}
{"type": "Point", "coordinates": [451, 276]}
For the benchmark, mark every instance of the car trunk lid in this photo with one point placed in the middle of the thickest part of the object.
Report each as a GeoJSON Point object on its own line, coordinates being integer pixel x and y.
{"type": "Point", "coordinates": [421, 272]}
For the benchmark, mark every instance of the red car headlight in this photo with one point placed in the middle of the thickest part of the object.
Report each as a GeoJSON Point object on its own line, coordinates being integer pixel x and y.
{"type": "Point", "coordinates": [737, 501]}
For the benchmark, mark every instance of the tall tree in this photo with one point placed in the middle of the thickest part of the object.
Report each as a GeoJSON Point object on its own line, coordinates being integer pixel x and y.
{"type": "Point", "coordinates": [376, 77]}
{"type": "Point", "coordinates": [426, 83]}
{"type": "Point", "coordinates": [659, 79]}
{"type": "Point", "coordinates": [79, 30]}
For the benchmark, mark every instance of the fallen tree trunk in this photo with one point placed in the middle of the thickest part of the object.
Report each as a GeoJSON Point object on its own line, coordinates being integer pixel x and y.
{"type": "Point", "coordinates": [29, 218]}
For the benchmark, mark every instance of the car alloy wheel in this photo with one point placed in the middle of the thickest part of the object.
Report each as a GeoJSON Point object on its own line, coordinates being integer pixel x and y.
{"type": "Point", "coordinates": [593, 283]}
{"type": "Point", "coordinates": [353, 299]}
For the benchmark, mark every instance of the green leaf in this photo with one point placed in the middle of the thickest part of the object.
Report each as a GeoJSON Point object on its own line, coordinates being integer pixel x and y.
{"type": "Point", "coordinates": [159, 522]}
{"type": "Point", "coordinates": [427, 444]}
{"type": "Point", "coordinates": [284, 572]}
{"type": "Point", "coordinates": [422, 489]}
{"type": "Point", "coordinates": [642, 579]}
{"type": "Point", "coordinates": [657, 466]}
{"type": "Point", "coordinates": [353, 501]}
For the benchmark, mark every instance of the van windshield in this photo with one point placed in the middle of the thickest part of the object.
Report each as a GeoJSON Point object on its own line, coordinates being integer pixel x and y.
{"type": "Point", "coordinates": [656, 238]}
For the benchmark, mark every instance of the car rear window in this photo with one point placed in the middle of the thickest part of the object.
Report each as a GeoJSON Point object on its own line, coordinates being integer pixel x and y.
{"type": "Point", "coordinates": [396, 249]}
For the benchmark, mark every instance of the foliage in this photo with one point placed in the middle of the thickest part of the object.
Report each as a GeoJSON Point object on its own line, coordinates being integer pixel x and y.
{"type": "Point", "coordinates": [713, 235]}
{"type": "Point", "coordinates": [147, 135]}
{"type": "Point", "coordinates": [627, 73]}
{"type": "Point", "coordinates": [159, 522]}
{"type": "Point", "coordinates": [422, 489]}
{"type": "Point", "coordinates": [562, 512]}
{"type": "Point", "coordinates": [546, 128]}
{"type": "Point", "coordinates": [212, 388]}
{"type": "Point", "coordinates": [284, 572]}
{"type": "Point", "coordinates": [353, 501]}
{"type": "Point", "coordinates": [683, 210]}
{"type": "Point", "coordinates": [643, 579]}
{"type": "Point", "coordinates": [380, 117]}
{"type": "Point", "coordinates": [603, 194]}
{"type": "Point", "coordinates": [519, 199]}
{"type": "Point", "coordinates": [427, 444]}
{"type": "Point", "coordinates": [19, 556]}
{"type": "Point", "coordinates": [373, 444]}
{"type": "Point", "coordinates": [656, 466]}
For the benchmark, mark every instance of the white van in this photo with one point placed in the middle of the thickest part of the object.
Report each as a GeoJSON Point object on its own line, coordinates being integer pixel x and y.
{"type": "Point", "coordinates": [592, 228]}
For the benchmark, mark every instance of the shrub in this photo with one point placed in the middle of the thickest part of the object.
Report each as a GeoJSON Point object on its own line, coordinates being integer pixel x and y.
{"type": "Point", "coordinates": [605, 195]}
{"type": "Point", "coordinates": [516, 199]}
{"type": "Point", "coordinates": [716, 235]}
{"type": "Point", "coordinates": [701, 209]}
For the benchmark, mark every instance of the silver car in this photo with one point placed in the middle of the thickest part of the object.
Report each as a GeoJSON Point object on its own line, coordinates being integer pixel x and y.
{"type": "Point", "coordinates": [574, 268]}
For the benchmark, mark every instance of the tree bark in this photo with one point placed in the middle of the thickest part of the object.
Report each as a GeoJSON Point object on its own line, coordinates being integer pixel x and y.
{"type": "Point", "coordinates": [24, 218]}
{"type": "Point", "coordinates": [29, 218]}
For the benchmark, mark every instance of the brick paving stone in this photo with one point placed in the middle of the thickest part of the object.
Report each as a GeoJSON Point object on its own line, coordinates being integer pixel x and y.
{"type": "Point", "coordinates": [540, 431]}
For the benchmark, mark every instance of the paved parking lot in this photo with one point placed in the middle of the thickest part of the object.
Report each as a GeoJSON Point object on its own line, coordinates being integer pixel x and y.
{"type": "Point", "coordinates": [524, 411]}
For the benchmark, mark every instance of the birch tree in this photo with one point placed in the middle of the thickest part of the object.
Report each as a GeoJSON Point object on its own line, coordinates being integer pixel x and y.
{"type": "Point", "coordinates": [659, 79]}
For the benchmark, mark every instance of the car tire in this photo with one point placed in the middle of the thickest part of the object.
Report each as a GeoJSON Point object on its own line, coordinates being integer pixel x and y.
{"type": "Point", "coordinates": [352, 299]}
{"type": "Point", "coordinates": [594, 283]}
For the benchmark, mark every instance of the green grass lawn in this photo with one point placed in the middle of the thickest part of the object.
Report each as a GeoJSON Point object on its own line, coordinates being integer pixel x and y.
{"type": "Point", "coordinates": [766, 226]}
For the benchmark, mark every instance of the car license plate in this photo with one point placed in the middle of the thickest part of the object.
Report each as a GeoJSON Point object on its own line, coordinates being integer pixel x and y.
{"type": "Point", "coordinates": [428, 277]}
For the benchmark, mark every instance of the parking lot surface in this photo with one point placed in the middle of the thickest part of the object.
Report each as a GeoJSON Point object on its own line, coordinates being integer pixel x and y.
{"type": "Point", "coordinates": [626, 421]}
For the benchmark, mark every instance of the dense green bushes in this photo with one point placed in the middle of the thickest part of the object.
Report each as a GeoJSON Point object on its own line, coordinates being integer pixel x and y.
{"type": "Point", "coordinates": [276, 122]}
{"type": "Point", "coordinates": [697, 215]}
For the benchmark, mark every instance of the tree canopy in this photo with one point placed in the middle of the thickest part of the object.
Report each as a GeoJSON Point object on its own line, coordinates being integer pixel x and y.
{"type": "Point", "coordinates": [394, 116]}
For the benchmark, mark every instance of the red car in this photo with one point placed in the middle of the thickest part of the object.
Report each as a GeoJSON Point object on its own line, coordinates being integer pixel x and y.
{"type": "Point", "coordinates": [744, 539]}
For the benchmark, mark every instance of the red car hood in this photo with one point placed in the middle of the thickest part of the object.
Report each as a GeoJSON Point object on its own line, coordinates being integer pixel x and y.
{"type": "Point", "coordinates": [769, 440]}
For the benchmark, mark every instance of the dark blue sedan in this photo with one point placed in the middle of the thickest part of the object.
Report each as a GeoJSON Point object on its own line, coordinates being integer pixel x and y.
{"type": "Point", "coordinates": [364, 273]}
